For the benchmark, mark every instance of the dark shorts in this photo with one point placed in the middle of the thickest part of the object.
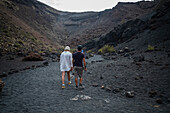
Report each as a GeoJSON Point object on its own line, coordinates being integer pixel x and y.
{"type": "Point", "coordinates": [78, 72]}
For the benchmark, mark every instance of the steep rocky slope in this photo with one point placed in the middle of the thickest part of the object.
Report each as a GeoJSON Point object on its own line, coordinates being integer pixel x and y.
{"type": "Point", "coordinates": [34, 26]}
{"type": "Point", "coordinates": [152, 28]}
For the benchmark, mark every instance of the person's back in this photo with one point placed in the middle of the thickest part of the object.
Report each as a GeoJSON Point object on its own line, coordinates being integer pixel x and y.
{"type": "Point", "coordinates": [78, 59]}
{"type": "Point", "coordinates": [66, 64]}
{"type": "Point", "coordinates": [65, 61]}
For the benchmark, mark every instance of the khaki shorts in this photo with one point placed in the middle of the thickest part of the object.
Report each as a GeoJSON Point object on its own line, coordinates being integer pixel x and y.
{"type": "Point", "coordinates": [78, 72]}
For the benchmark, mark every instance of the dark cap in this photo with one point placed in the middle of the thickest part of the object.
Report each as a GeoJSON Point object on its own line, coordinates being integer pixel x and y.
{"type": "Point", "coordinates": [79, 47]}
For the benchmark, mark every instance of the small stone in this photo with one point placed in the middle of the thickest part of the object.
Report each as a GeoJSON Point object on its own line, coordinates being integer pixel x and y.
{"type": "Point", "coordinates": [108, 65]}
{"type": "Point", "coordinates": [89, 73]}
{"type": "Point", "coordinates": [126, 55]}
{"type": "Point", "coordinates": [169, 100]}
{"type": "Point", "coordinates": [45, 63]}
{"type": "Point", "coordinates": [159, 101]}
{"type": "Point", "coordinates": [101, 77]}
{"type": "Point", "coordinates": [136, 78]}
{"type": "Point", "coordinates": [95, 85]}
{"type": "Point", "coordinates": [4, 74]}
{"type": "Point", "coordinates": [130, 94]}
{"type": "Point", "coordinates": [102, 87]}
{"type": "Point", "coordinates": [10, 73]}
{"type": "Point", "coordinates": [113, 57]}
{"type": "Point", "coordinates": [126, 49]}
{"type": "Point", "coordinates": [120, 51]}
{"type": "Point", "coordinates": [15, 71]}
{"type": "Point", "coordinates": [87, 57]}
{"type": "Point", "coordinates": [92, 62]}
{"type": "Point", "coordinates": [108, 89]}
{"type": "Point", "coordinates": [91, 55]}
{"type": "Point", "coordinates": [152, 93]}
{"type": "Point", "coordinates": [116, 90]}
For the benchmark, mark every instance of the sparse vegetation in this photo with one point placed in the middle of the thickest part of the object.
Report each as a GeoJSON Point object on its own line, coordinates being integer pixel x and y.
{"type": "Point", "coordinates": [107, 49]}
{"type": "Point", "coordinates": [89, 51]}
{"type": "Point", "coordinates": [150, 48]}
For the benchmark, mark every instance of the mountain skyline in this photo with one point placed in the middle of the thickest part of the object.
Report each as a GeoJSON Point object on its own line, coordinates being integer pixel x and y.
{"type": "Point", "coordinates": [84, 5]}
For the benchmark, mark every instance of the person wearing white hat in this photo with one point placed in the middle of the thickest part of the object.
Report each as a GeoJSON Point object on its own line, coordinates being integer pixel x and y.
{"type": "Point", "coordinates": [66, 64]}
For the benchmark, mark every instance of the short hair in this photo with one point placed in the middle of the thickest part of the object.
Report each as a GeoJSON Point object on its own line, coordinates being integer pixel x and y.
{"type": "Point", "coordinates": [79, 47]}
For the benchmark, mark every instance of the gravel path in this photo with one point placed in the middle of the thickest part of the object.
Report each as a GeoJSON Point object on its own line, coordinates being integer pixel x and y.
{"type": "Point", "coordinates": [39, 91]}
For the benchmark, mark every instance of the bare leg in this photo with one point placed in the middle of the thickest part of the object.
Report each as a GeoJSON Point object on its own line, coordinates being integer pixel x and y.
{"type": "Point", "coordinates": [81, 79]}
{"type": "Point", "coordinates": [63, 76]}
{"type": "Point", "coordinates": [68, 73]}
{"type": "Point", "coordinates": [76, 81]}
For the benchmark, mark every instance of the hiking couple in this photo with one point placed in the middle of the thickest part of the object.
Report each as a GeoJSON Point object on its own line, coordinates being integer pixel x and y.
{"type": "Point", "coordinates": [68, 62]}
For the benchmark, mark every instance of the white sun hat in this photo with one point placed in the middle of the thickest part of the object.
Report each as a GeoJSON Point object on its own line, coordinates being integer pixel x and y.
{"type": "Point", "coordinates": [67, 48]}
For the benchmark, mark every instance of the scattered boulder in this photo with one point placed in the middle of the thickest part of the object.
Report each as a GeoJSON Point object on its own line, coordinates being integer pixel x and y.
{"type": "Point", "coordinates": [33, 57]}
{"type": "Point", "coordinates": [159, 101]}
{"type": "Point", "coordinates": [130, 94]}
{"type": "Point", "coordinates": [1, 85]}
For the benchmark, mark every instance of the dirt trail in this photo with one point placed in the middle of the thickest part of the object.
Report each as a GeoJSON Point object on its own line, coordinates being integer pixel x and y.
{"type": "Point", "coordinates": [39, 91]}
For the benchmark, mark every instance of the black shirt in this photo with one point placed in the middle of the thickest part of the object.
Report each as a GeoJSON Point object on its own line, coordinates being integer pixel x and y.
{"type": "Point", "coordinates": [78, 59]}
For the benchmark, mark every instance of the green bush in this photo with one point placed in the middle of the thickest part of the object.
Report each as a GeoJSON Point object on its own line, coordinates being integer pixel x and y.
{"type": "Point", "coordinates": [107, 49]}
{"type": "Point", "coordinates": [150, 48]}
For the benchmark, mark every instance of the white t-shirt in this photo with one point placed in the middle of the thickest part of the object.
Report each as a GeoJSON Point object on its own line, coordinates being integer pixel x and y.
{"type": "Point", "coordinates": [66, 61]}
